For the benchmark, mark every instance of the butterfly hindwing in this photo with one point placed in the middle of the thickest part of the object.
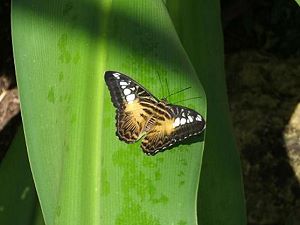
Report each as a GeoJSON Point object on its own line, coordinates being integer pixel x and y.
{"type": "Point", "coordinates": [128, 97]}
{"type": "Point", "coordinates": [131, 121]}
{"type": "Point", "coordinates": [159, 137]}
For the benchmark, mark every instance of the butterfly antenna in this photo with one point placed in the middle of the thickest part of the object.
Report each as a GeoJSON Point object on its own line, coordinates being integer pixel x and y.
{"type": "Point", "coordinates": [160, 81]}
{"type": "Point", "coordinates": [184, 89]}
{"type": "Point", "coordinates": [167, 87]}
{"type": "Point", "coordinates": [187, 99]}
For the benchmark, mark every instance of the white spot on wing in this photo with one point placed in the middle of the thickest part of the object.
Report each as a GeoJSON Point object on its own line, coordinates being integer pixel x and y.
{"type": "Point", "coordinates": [182, 121]}
{"type": "Point", "coordinates": [198, 118]}
{"type": "Point", "coordinates": [123, 83]}
{"type": "Point", "coordinates": [132, 88]}
{"type": "Point", "coordinates": [116, 75]}
{"type": "Point", "coordinates": [183, 114]}
{"type": "Point", "coordinates": [190, 118]}
{"type": "Point", "coordinates": [126, 91]}
{"type": "Point", "coordinates": [130, 98]}
{"type": "Point", "coordinates": [176, 122]}
{"type": "Point", "coordinates": [123, 87]}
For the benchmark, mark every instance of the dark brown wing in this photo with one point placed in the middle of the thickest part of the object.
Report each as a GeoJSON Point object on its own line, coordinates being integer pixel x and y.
{"type": "Point", "coordinates": [131, 100]}
{"type": "Point", "coordinates": [184, 123]}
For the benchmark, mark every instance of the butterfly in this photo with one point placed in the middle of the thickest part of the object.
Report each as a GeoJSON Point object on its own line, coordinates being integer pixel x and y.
{"type": "Point", "coordinates": [140, 114]}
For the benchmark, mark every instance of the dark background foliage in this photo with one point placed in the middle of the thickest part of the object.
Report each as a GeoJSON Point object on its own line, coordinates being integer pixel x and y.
{"type": "Point", "coordinates": [262, 53]}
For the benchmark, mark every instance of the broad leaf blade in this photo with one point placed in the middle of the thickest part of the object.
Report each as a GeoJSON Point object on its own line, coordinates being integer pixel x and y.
{"type": "Point", "coordinates": [18, 200]}
{"type": "Point", "coordinates": [83, 173]}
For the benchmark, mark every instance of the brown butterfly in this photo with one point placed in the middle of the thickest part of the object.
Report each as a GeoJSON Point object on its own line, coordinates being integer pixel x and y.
{"type": "Point", "coordinates": [140, 114]}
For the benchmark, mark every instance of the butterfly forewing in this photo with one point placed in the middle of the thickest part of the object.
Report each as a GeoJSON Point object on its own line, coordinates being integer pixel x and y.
{"type": "Point", "coordinates": [124, 90]}
{"type": "Point", "coordinates": [184, 123]}
{"type": "Point", "coordinates": [187, 122]}
{"type": "Point", "coordinates": [131, 101]}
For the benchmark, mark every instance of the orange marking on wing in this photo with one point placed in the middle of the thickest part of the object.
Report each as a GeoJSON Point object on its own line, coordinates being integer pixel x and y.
{"type": "Point", "coordinates": [131, 122]}
{"type": "Point", "coordinates": [159, 136]}
{"type": "Point", "coordinates": [167, 126]}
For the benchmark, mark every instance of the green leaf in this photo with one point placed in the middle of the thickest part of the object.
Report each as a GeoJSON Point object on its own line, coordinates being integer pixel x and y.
{"type": "Point", "coordinates": [298, 1]}
{"type": "Point", "coordinates": [83, 173]}
{"type": "Point", "coordinates": [18, 200]}
{"type": "Point", "coordinates": [221, 196]}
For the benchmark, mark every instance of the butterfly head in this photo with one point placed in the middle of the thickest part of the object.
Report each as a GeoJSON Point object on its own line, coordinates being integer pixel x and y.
{"type": "Point", "coordinates": [164, 100]}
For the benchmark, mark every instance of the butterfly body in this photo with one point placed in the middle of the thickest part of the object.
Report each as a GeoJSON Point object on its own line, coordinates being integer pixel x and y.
{"type": "Point", "coordinates": [140, 114]}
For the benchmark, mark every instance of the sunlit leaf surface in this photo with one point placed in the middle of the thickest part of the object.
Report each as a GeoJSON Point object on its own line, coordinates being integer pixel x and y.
{"type": "Point", "coordinates": [83, 173]}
